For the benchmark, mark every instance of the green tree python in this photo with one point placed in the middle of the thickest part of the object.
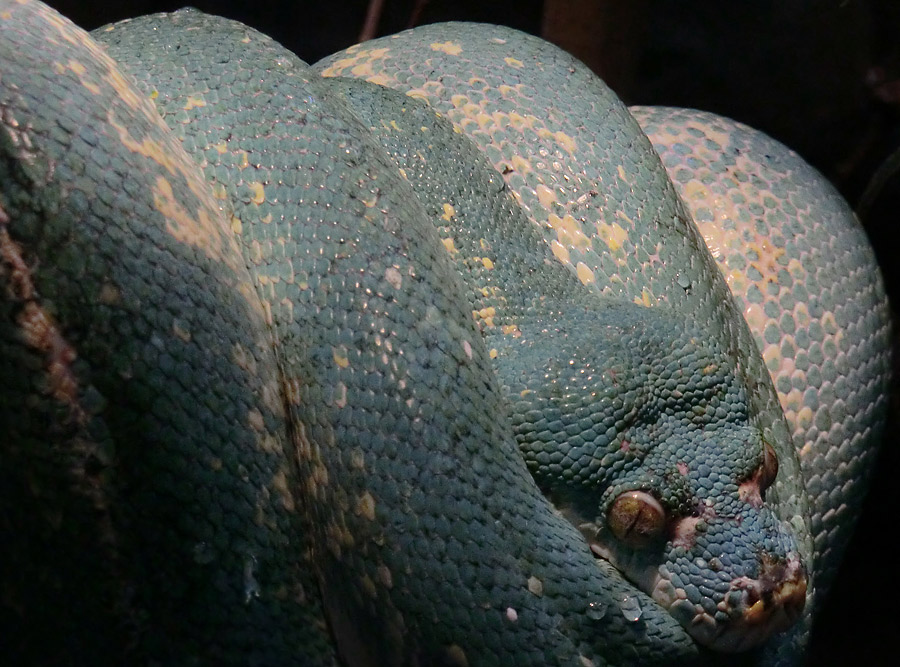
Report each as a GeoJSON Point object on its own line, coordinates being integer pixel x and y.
{"type": "Point", "coordinates": [300, 369]}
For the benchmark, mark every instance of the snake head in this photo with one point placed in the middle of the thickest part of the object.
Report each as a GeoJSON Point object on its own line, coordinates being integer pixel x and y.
{"type": "Point", "coordinates": [703, 546]}
{"type": "Point", "coordinates": [640, 433]}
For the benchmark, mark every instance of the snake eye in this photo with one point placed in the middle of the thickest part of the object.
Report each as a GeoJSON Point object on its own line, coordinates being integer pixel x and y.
{"type": "Point", "coordinates": [636, 518]}
{"type": "Point", "coordinates": [769, 467]}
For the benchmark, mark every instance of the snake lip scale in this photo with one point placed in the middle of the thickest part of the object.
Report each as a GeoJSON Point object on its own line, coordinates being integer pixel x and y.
{"type": "Point", "coordinates": [763, 606]}
{"type": "Point", "coordinates": [398, 359]}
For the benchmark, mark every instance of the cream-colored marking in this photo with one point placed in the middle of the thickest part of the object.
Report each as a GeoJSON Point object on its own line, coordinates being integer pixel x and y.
{"type": "Point", "coordinates": [123, 88]}
{"type": "Point", "coordinates": [488, 264]}
{"type": "Point", "coordinates": [341, 398]}
{"type": "Point", "coordinates": [368, 586]}
{"type": "Point", "coordinates": [385, 576]}
{"type": "Point", "coordinates": [393, 277]}
{"type": "Point", "coordinates": [365, 506]}
{"type": "Point", "coordinates": [545, 195]}
{"type": "Point", "coordinates": [458, 100]}
{"type": "Point", "coordinates": [486, 313]}
{"type": "Point", "coordinates": [163, 156]}
{"type": "Point", "coordinates": [512, 615]}
{"type": "Point", "coordinates": [380, 79]}
{"type": "Point", "coordinates": [513, 62]}
{"type": "Point", "coordinates": [243, 359]}
{"type": "Point", "coordinates": [646, 298]}
{"type": "Point", "coordinates": [566, 142]}
{"type": "Point", "coordinates": [467, 348]}
{"type": "Point", "coordinates": [340, 357]}
{"type": "Point", "coordinates": [560, 251]}
{"type": "Point", "coordinates": [614, 235]}
{"type": "Point", "coordinates": [281, 486]}
{"type": "Point", "coordinates": [805, 418]}
{"type": "Point", "coordinates": [200, 232]}
{"type": "Point", "coordinates": [569, 231]}
{"type": "Point", "coordinates": [448, 47]}
{"type": "Point", "coordinates": [449, 212]}
{"type": "Point", "coordinates": [256, 420]}
{"type": "Point", "coordinates": [585, 275]}
{"type": "Point", "coordinates": [456, 656]}
{"type": "Point", "coordinates": [450, 246]}
{"type": "Point", "coordinates": [362, 70]}
{"type": "Point", "coordinates": [259, 193]}
{"type": "Point", "coordinates": [535, 586]}
{"type": "Point", "coordinates": [696, 190]}
{"type": "Point", "coordinates": [521, 164]}
{"type": "Point", "coordinates": [80, 70]}
{"type": "Point", "coordinates": [194, 102]}
{"type": "Point", "coordinates": [180, 333]}
{"type": "Point", "coordinates": [110, 294]}
{"type": "Point", "coordinates": [357, 458]}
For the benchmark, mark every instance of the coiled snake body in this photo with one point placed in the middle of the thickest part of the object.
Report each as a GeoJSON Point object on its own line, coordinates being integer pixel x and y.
{"type": "Point", "coordinates": [295, 372]}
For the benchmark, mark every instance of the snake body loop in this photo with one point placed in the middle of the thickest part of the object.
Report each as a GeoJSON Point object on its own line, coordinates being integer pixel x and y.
{"type": "Point", "coordinates": [303, 370]}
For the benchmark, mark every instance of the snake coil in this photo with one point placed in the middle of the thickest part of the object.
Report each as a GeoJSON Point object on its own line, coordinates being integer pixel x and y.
{"type": "Point", "coordinates": [299, 369]}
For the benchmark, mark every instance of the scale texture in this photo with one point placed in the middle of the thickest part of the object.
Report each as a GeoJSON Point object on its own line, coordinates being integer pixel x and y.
{"type": "Point", "coordinates": [800, 266]}
{"type": "Point", "coordinates": [304, 372]}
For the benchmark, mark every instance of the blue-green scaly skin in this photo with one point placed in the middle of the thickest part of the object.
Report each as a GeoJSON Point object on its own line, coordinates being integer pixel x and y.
{"type": "Point", "coordinates": [147, 495]}
{"type": "Point", "coordinates": [628, 237]}
{"type": "Point", "coordinates": [250, 414]}
{"type": "Point", "coordinates": [446, 567]}
{"type": "Point", "coordinates": [803, 272]}
{"type": "Point", "coordinates": [607, 396]}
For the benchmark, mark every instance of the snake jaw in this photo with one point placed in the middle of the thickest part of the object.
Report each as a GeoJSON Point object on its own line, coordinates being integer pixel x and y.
{"type": "Point", "coordinates": [752, 610]}
{"type": "Point", "coordinates": [756, 608]}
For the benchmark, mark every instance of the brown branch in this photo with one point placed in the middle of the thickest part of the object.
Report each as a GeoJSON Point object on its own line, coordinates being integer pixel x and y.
{"type": "Point", "coordinates": [373, 18]}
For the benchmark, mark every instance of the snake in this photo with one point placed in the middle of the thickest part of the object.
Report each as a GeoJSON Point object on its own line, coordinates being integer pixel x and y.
{"type": "Point", "coordinates": [430, 353]}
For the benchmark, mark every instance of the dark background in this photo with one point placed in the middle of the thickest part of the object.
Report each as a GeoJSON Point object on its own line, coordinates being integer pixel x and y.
{"type": "Point", "coordinates": [822, 76]}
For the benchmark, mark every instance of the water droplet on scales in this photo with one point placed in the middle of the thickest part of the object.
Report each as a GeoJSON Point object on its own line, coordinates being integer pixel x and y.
{"type": "Point", "coordinates": [630, 607]}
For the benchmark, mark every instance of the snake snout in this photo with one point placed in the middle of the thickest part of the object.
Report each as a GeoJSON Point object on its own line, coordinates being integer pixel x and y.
{"type": "Point", "coordinates": [777, 597]}
{"type": "Point", "coordinates": [757, 607]}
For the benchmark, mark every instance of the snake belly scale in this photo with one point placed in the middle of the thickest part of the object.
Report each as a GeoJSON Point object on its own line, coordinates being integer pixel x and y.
{"type": "Point", "coordinates": [294, 375]}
